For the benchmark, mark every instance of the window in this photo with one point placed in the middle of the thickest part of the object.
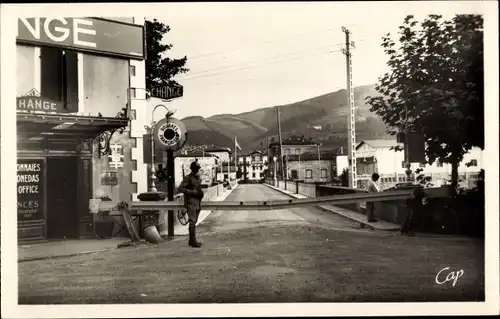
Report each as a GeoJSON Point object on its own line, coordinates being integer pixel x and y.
{"type": "Point", "coordinates": [323, 172]}
{"type": "Point", "coordinates": [132, 114]}
{"type": "Point", "coordinates": [257, 158]}
{"type": "Point", "coordinates": [253, 175]}
{"type": "Point", "coordinates": [59, 76]}
{"type": "Point", "coordinates": [309, 173]}
{"type": "Point", "coordinates": [132, 70]}
{"type": "Point", "coordinates": [422, 165]}
{"type": "Point", "coordinates": [473, 162]}
{"type": "Point", "coordinates": [294, 174]}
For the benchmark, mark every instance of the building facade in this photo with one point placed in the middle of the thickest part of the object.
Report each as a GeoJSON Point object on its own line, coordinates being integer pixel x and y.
{"type": "Point", "coordinates": [253, 165]}
{"type": "Point", "coordinates": [208, 170]}
{"type": "Point", "coordinates": [311, 167]}
{"type": "Point", "coordinates": [293, 145]}
{"type": "Point", "coordinates": [80, 120]}
{"type": "Point", "coordinates": [377, 156]}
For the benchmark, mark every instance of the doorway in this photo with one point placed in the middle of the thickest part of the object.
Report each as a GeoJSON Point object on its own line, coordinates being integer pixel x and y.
{"type": "Point", "coordinates": [62, 197]}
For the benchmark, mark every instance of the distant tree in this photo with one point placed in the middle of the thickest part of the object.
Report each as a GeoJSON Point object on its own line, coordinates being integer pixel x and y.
{"type": "Point", "coordinates": [160, 69]}
{"type": "Point", "coordinates": [436, 82]}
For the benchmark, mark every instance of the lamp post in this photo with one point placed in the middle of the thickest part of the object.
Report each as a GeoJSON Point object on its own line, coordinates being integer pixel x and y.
{"type": "Point", "coordinates": [275, 172]}
{"type": "Point", "coordinates": [152, 187]}
{"type": "Point", "coordinates": [319, 162]}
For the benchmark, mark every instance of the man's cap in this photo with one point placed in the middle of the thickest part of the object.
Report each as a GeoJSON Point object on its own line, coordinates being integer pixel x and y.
{"type": "Point", "coordinates": [195, 165]}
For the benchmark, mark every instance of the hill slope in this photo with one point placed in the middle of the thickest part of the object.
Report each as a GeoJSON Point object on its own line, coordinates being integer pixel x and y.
{"type": "Point", "coordinates": [324, 118]}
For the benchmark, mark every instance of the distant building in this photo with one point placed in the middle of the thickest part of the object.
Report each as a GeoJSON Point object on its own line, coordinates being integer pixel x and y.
{"type": "Point", "coordinates": [253, 165]}
{"type": "Point", "coordinates": [377, 156]}
{"type": "Point", "coordinates": [223, 153]}
{"type": "Point", "coordinates": [226, 173]}
{"type": "Point", "coordinates": [309, 167]}
{"type": "Point", "coordinates": [208, 163]}
{"type": "Point", "coordinates": [293, 145]}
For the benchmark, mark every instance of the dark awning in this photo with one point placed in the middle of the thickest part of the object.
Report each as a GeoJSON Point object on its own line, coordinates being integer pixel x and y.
{"type": "Point", "coordinates": [32, 125]}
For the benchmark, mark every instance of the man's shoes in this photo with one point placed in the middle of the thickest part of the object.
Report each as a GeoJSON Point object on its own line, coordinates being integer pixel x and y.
{"type": "Point", "coordinates": [195, 245]}
{"type": "Point", "coordinates": [192, 238]}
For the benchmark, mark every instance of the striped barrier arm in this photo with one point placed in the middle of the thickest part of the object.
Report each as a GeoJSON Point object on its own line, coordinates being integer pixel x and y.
{"type": "Point", "coordinates": [139, 207]}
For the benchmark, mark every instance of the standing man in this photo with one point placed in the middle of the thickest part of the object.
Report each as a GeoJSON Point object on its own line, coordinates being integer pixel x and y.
{"type": "Point", "coordinates": [372, 187]}
{"type": "Point", "coordinates": [193, 194]}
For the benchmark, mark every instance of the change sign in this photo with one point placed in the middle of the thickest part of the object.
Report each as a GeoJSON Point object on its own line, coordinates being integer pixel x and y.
{"type": "Point", "coordinates": [30, 189]}
{"type": "Point", "coordinates": [167, 92]}
{"type": "Point", "coordinates": [36, 103]}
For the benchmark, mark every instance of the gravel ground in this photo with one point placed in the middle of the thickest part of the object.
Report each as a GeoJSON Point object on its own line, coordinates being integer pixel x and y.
{"type": "Point", "coordinates": [291, 263]}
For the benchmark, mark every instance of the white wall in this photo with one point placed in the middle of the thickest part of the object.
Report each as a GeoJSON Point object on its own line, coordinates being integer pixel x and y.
{"type": "Point", "coordinates": [138, 106]}
{"type": "Point", "coordinates": [342, 162]}
{"type": "Point", "coordinates": [207, 164]}
{"type": "Point", "coordinates": [390, 164]}
{"type": "Point", "coordinates": [223, 156]}
{"type": "Point", "coordinates": [27, 63]}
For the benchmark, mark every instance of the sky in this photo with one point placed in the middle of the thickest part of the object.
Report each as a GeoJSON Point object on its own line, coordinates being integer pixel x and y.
{"type": "Point", "coordinates": [248, 56]}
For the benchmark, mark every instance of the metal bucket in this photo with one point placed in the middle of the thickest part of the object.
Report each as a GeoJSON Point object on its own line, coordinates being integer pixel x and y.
{"type": "Point", "coordinates": [152, 236]}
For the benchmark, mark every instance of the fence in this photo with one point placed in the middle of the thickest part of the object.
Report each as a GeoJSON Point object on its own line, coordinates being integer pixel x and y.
{"type": "Point", "coordinates": [318, 190]}
{"type": "Point", "coordinates": [394, 211]}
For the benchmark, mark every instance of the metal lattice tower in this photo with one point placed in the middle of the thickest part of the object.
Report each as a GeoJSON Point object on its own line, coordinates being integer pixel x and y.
{"type": "Point", "coordinates": [351, 118]}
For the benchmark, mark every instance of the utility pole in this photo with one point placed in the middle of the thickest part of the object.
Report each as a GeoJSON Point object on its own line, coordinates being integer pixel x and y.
{"type": "Point", "coordinates": [351, 124]}
{"type": "Point", "coordinates": [281, 144]}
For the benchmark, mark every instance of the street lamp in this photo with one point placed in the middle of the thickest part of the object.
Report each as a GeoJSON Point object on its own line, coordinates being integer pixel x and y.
{"type": "Point", "coordinates": [274, 166]}
{"type": "Point", "coordinates": [153, 171]}
{"type": "Point", "coordinates": [319, 162]}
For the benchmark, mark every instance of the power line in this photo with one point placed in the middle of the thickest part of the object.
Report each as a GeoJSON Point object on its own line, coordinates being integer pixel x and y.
{"type": "Point", "coordinates": [300, 35]}
{"type": "Point", "coordinates": [253, 62]}
{"type": "Point", "coordinates": [260, 60]}
{"type": "Point", "coordinates": [276, 62]}
{"type": "Point", "coordinates": [258, 65]}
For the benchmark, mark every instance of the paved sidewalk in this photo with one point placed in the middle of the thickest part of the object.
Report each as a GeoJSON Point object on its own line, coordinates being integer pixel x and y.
{"type": "Point", "coordinates": [66, 248]}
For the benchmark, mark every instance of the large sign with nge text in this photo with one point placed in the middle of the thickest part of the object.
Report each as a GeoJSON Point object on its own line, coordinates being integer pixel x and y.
{"type": "Point", "coordinates": [30, 186]}
{"type": "Point", "coordinates": [84, 34]}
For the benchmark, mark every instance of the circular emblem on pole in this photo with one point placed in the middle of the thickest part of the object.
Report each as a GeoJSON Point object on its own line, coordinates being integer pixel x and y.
{"type": "Point", "coordinates": [170, 133]}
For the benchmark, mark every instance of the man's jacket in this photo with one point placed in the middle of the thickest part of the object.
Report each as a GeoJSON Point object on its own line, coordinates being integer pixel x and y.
{"type": "Point", "coordinates": [372, 187]}
{"type": "Point", "coordinates": [193, 194]}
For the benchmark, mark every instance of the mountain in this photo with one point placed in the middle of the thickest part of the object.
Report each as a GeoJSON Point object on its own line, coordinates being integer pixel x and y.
{"type": "Point", "coordinates": [323, 118]}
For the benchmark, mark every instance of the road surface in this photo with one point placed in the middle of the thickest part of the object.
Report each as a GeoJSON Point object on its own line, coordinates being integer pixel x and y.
{"type": "Point", "coordinates": [295, 255]}
{"type": "Point", "coordinates": [226, 221]}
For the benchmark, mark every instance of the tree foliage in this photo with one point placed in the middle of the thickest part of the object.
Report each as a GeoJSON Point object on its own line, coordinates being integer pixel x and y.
{"type": "Point", "coordinates": [160, 69]}
{"type": "Point", "coordinates": [435, 81]}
